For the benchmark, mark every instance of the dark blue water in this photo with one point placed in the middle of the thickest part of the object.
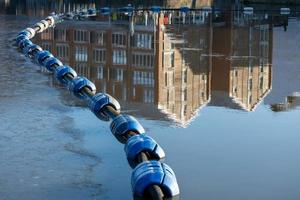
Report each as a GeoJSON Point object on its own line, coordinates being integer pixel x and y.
{"type": "Point", "coordinates": [223, 102]}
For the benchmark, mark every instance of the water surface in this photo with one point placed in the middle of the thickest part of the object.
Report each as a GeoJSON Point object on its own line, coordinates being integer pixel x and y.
{"type": "Point", "coordinates": [218, 91]}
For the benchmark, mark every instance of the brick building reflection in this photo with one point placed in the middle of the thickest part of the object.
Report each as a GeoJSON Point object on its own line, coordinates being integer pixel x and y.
{"type": "Point", "coordinates": [184, 72]}
{"type": "Point", "coordinates": [242, 73]}
{"type": "Point", "coordinates": [164, 66]}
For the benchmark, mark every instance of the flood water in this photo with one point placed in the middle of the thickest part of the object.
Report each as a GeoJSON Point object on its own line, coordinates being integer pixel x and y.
{"type": "Point", "coordinates": [219, 91]}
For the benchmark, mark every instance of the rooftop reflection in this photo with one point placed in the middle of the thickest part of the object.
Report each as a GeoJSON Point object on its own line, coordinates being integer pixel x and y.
{"type": "Point", "coordinates": [169, 65]}
{"type": "Point", "coordinates": [44, 7]}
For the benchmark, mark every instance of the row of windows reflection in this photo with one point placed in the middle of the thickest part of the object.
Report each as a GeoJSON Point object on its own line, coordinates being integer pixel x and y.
{"type": "Point", "coordinates": [123, 63]}
{"type": "Point", "coordinates": [143, 78]}
{"type": "Point", "coordinates": [118, 39]}
{"type": "Point", "coordinates": [99, 55]}
{"type": "Point", "coordinates": [117, 77]}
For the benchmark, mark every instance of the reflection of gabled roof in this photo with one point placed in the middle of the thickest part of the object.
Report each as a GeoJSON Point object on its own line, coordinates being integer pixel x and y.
{"type": "Point", "coordinates": [157, 112]}
{"type": "Point", "coordinates": [261, 99]}
{"type": "Point", "coordinates": [146, 110]}
{"type": "Point", "coordinates": [222, 99]}
{"type": "Point", "coordinates": [179, 122]}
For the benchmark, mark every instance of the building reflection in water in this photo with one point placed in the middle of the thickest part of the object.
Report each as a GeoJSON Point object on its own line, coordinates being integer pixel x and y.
{"type": "Point", "coordinates": [170, 65]}
{"type": "Point", "coordinates": [242, 73]}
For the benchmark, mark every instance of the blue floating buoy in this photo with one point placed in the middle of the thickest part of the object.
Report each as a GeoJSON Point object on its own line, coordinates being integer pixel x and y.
{"type": "Point", "coordinates": [26, 33]}
{"type": "Point", "coordinates": [154, 173]}
{"type": "Point", "coordinates": [142, 143]}
{"type": "Point", "coordinates": [51, 63]}
{"type": "Point", "coordinates": [122, 124]}
{"type": "Point", "coordinates": [101, 100]}
{"type": "Point", "coordinates": [24, 43]}
{"type": "Point", "coordinates": [62, 71]}
{"type": "Point", "coordinates": [20, 38]}
{"type": "Point", "coordinates": [28, 50]}
{"type": "Point", "coordinates": [42, 56]}
{"type": "Point", "coordinates": [78, 83]}
{"type": "Point", "coordinates": [29, 32]}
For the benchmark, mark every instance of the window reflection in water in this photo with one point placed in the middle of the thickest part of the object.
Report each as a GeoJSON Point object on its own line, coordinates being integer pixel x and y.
{"type": "Point", "coordinates": [170, 65]}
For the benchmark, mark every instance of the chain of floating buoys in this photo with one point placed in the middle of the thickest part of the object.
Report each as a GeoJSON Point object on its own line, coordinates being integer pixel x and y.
{"type": "Point", "coordinates": [151, 179]}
